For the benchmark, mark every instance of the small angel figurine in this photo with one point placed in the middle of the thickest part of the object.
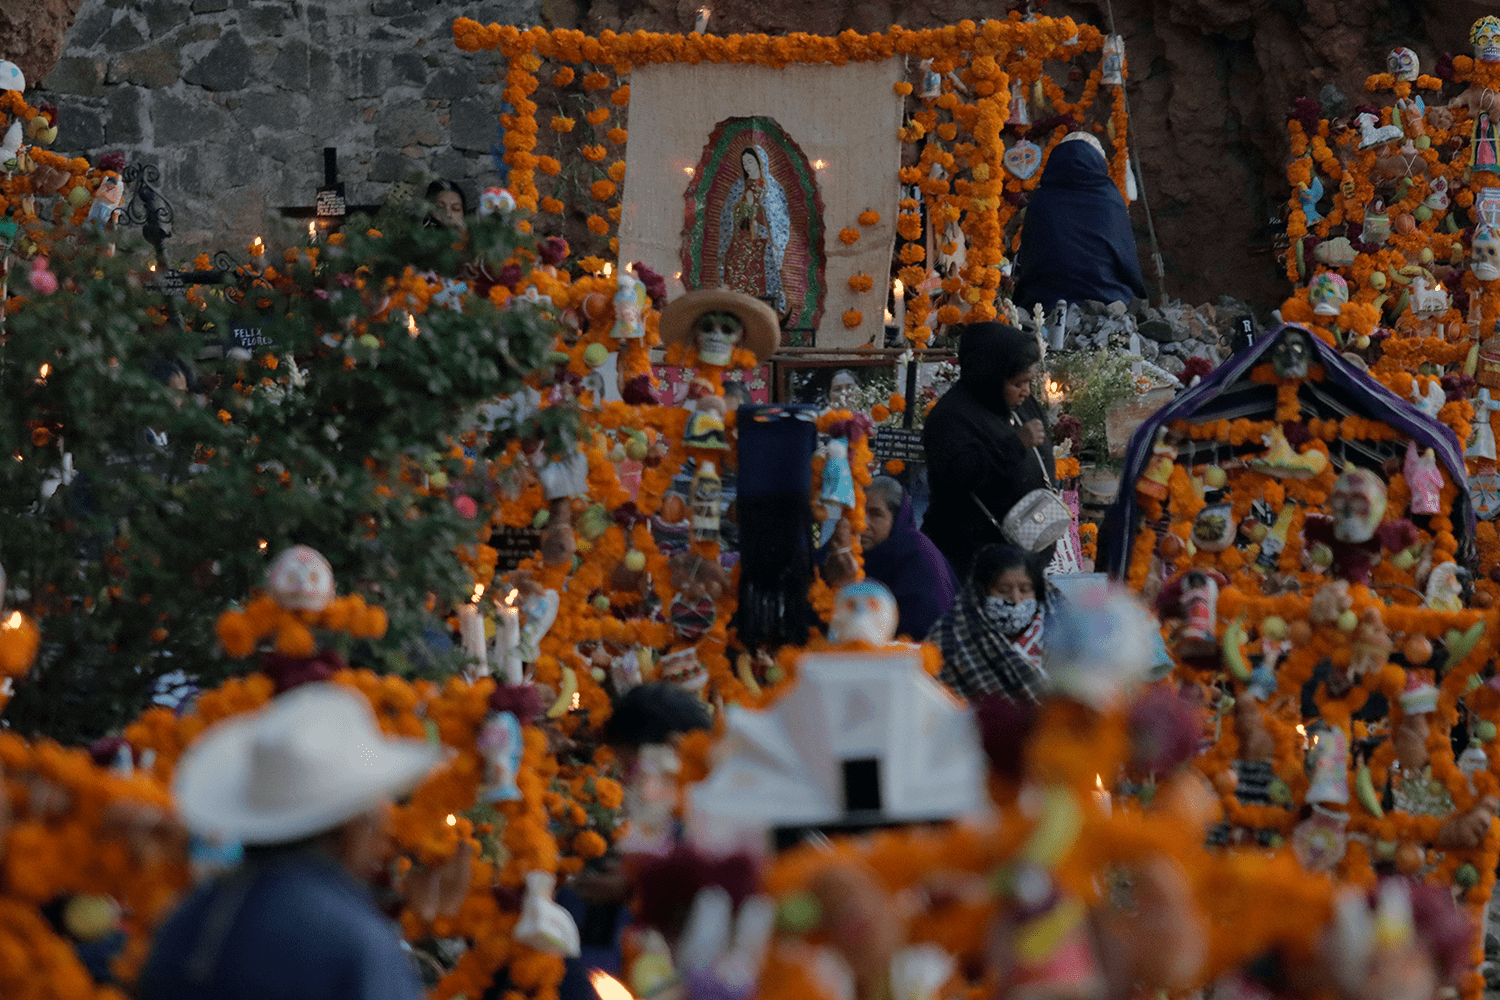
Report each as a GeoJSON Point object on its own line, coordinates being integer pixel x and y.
{"type": "Point", "coordinates": [838, 480]}
{"type": "Point", "coordinates": [545, 925]}
{"type": "Point", "coordinates": [1423, 479]}
{"type": "Point", "coordinates": [630, 300]}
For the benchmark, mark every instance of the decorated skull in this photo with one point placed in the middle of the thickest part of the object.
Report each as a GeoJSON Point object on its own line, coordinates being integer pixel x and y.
{"type": "Point", "coordinates": [300, 579]}
{"type": "Point", "coordinates": [1292, 354]}
{"type": "Point", "coordinates": [496, 200]}
{"type": "Point", "coordinates": [718, 334]}
{"type": "Point", "coordinates": [1214, 528]}
{"type": "Point", "coordinates": [864, 612]}
{"type": "Point", "coordinates": [1357, 505]}
{"type": "Point", "coordinates": [1402, 63]}
{"type": "Point", "coordinates": [1485, 37]}
{"type": "Point", "coordinates": [1485, 253]}
{"type": "Point", "coordinates": [1328, 293]}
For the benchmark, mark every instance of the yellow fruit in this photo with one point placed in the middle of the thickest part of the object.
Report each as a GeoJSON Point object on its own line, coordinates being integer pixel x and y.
{"type": "Point", "coordinates": [1214, 477]}
{"type": "Point", "coordinates": [564, 701]}
{"type": "Point", "coordinates": [1273, 628]}
{"type": "Point", "coordinates": [635, 560]}
{"type": "Point", "coordinates": [89, 918]}
{"type": "Point", "coordinates": [1348, 621]}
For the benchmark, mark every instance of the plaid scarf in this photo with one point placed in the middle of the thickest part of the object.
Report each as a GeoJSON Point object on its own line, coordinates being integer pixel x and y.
{"type": "Point", "coordinates": [978, 659]}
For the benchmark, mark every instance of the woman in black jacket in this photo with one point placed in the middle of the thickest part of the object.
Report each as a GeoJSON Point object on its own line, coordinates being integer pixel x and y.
{"type": "Point", "coordinates": [985, 441]}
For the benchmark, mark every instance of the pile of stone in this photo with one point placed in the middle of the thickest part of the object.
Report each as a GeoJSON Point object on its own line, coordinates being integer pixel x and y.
{"type": "Point", "coordinates": [1167, 335]}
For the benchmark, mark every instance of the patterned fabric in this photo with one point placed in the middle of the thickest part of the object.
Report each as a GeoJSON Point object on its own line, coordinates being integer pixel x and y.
{"type": "Point", "coordinates": [978, 659]}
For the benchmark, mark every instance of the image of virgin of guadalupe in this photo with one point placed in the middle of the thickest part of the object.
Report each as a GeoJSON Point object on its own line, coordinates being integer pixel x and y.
{"type": "Point", "coordinates": [1485, 149]}
{"type": "Point", "coordinates": [754, 228]}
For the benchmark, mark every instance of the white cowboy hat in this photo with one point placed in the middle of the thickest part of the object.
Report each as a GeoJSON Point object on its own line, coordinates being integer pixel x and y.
{"type": "Point", "coordinates": [304, 765]}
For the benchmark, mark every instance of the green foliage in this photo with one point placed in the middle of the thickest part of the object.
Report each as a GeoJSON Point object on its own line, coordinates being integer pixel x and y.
{"type": "Point", "coordinates": [1093, 384]}
{"type": "Point", "coordinates": [127, 566]}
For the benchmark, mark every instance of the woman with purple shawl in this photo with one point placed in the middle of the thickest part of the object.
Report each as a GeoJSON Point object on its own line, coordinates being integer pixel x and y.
{"type": "Point", "coordinates": [905, 560]}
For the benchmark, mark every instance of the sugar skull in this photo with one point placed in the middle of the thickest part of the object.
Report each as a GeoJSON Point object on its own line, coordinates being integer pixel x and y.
{"type": "Point", "coordinates": [496, 200]}
{"type": "Point", "coordinates": [864, 612]}
{"type": "Point", "coordinates": [1484, 255]}
{"type": "Point", "coordinates": [499, 743]}
{"type": "Point", "coordinates": [1485, 37]}
{"type": "Point", "coordinates": [1214, 528]}
{"type": "Point", "coordinates": [300, 579]}
{"type": "Point", "coordinates": [1328, 294]}
{"type": "Point", "coordinates": [718, 334]}
{"type": "Point", "coordinates": [1292, 354]}
{"type": "Point", "coordinates": [1357, 504]}
{"type": "Point", "coordinates": [1402, 63]}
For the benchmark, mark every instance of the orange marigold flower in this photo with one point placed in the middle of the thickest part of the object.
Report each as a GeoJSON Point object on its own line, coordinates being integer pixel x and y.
{"type": "Point", "coordinates": [948, 315]}
{"type": "Point", "coordinates": [595, 81]}
{"type": "Point", "coordinates": [903, 88]}
{"type": "Point", "coordinates": [552, 206]}
{"type": "Point", "coordinates": [609, 793]}
{"type": "Point", "coordinates": [563, 77]}
{"type": "Point", "coordinates": [374, 234]}
{"type": "Point", "coordinates": [597, 116]}
{"type": "Point", "coordinates": [224, 416]}
{"type": "Point", "coordinates": [869, 217]}
{"type": "Point", "coordinates": [594, 153]}
{"type": "Point", "coordinates": [895, 466]}
{"type": "Point", "coordinates": [947, 131]}
{"type": "Point", "coordinates": [621, 97]}
{"type": "Point", "coordinates": [549, 166]}
{"type": "Point", "coordinates": [909, 226]}
{"type": "Point", "coordinates": [897, 403]}
{"type": "Point", "coordinates": [602, 189]}
{"type": "Point", "coordinates": [617, 171]}
{"type": "Point", "coordinates": [912, 253]}
{"type": "Point", "coordinates": [40, 436]}
{"type": "Point", "coordinates": [269, 361]}
{"type": "Point", "coordinates": [852, 318]}
{"type": "Point", "coordinates": [617, 136]}
{"type": "Point", "coordinates": [849, 235]}
{"type": "Point", "coordinates": [861, 282]}
{"type": "Point", "coordinates": [879, 413]}
{"type": "Point", "coordinates": [597, 225]}
{"type": "Point", "coordinates": [562, 124]}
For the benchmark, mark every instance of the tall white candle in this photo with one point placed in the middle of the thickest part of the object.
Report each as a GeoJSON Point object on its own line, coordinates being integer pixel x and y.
{"type": "Point", "coordinates": [898, 307]}
{"type": "Point", "coordinates": [471, 630]}
{"type": "Point", "coordinates": [508, 643]}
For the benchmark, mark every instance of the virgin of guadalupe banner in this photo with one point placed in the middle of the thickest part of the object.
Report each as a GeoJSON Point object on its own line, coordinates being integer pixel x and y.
{"type": "Point", "coordinates": [744, 176]}
{"type": "Point", "coordinates": [754, 223]}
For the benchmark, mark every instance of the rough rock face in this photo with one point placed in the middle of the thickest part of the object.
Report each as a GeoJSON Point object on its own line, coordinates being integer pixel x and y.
{"type": "Point", "coordinates": [32, 33]}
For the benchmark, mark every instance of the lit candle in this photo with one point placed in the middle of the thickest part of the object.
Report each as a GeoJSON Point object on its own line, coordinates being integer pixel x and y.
{"type": "Point", "coordinates": [471, 631]}
{"type": "Point", "coordinates": [898, 313]}
{"type": "Point", "coordinates": [257, 247]}
{"type": "Point", "coordinates": [508, 640]}
{"type": "Point", "coordinates": [411, 325]}
{"type": "Point", "coordinates": [1101, 797]}
{"type": "Point", "coordinates": [312, 232]}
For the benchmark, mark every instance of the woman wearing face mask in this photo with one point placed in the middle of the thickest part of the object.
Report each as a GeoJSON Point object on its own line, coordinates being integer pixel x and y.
{"type": "Point", "coordinates": [985, 442]}
{"type": "Point", "coordinates": [991, 639]}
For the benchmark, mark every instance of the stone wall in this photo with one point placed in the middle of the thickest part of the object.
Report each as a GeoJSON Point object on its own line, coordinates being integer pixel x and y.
{"type": "Point", "coordinates": [234, 100]}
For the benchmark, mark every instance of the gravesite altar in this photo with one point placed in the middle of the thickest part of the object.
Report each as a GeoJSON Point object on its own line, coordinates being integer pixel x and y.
{"type": "Point", "coordinates": [492, 482]}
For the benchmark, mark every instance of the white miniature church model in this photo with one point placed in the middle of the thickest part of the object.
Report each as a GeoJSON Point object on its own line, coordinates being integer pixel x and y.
{"type": "Point", "coordinates": [864, 740]}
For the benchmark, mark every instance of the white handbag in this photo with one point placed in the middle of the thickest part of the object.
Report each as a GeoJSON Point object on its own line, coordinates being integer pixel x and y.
{"type": "Point", "coordinates": [1038, 519]}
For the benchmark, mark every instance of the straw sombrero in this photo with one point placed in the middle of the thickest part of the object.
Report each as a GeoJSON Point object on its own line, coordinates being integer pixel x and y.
{"type": "Point", "coordinates": [762, 330]}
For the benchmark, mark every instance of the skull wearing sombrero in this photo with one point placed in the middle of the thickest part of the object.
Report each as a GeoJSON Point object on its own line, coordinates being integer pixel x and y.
{"type": "Point", "coordinates": [714, 321]}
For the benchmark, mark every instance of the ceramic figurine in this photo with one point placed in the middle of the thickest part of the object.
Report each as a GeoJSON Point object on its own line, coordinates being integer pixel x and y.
{"type": "Point", "coordinates": [715, 322]}
{"type": "Point", "coordinates": [1099, 646]}
{"type": "Point", "coordinates": [1423, 479]}
{"type": "Point", "coordinates": [300, 579]}
{"type": "Point", "coordinates": [1487, 206]}
{"type": "Point", "coordinates": [1195, 594]}
{"type": "Point", "coordinates": [1428, 399]}
{"type": "Point", "coordinates": [1377, 227]}
{"type": "Point", "coordinates": [1330, 769]}
{"type": "Point", "coordinates": [1020, 112]}
{"type": "Point", "coordinates": [1473, 760]}
{"type": "Point", "coordinates": [1280, 459]}
{"type": "Point", "coordinates": [1484, 491]}
{"type": "Point", "coordinates": [1484, 142]}
{"type": "Point", "coordinates": [651, 799]}
{"type": "Point", "coordinates": [1023, 158]}
{"type": "Point", "coordinates": [1373, 134]}
{"type": "Point", "coordinates": [1427, 302]}
{"type": "Point", "coordinates": [1485, 37]}
{"type": "Point", "coordinates": [717, 335]}
{"type": "Point", "coordinates": [499, 744]}
{"type": "Point", "coordinates": [106, 200]}
{"type": "Point", "coordinates": [540, 611]}
{"type": "Point", "coordinates": [1153, 482]}
{"type": "Point", "coordinates": [1308, 195]}
{"type": "Point", "coordinates": [1292, 354]}
{"type": "Point", "coordinates": [11, 77]}
{"type": "Point", "coordinates": [1403, 64]}
{"type": "Point", "coordinates": [631, 300]}
{"type": "Point", "coordinates": [707, 492]}
{"type": "Point", "coordinates": [1370, 646]}
{"type": "Point", "coordinates": [932, 84]}
{"type": "Point", "coordinates": [452, 295]}
{"type": "Point", "coordinates": [1484, 253]}
{"type": "Point", "coordinates": [864, 612]}
{"type": "Point", "coordinates": [683, 669]}
{"type": "Point", "coordinates": [1112, 65]}
{"type": "Point", "coordinates": [1353, 528]}
{"type": "Point", "coordinates": [1445, 589]}
{"type": "Point", "coordinates": [496, 200]}
{"type": "Point", "coordinates": [545, 925]}
{"type": "Point", "coordinates": [1328, 293]}
{"type": "Point", "coordinates": [1337, 252]}
{"type": "Point", "coordinates": [563, 476]}
{"type": "Point", "coordinates": [1482, 444]}
{"type": "Point", "coordinates": [1437, 195]}
{"type": "Point", "coordinates": [1214, 527]}
{"type": "Point", "coordinates": [705, 427]}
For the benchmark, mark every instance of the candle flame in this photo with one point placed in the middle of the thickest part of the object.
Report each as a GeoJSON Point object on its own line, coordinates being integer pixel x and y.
{"type": "Point", "coordinates": [609, 269]}
{"type": "Point", "coordinates": [452, 820]}
{"type": "Point", "coordinates": [312, 230]}
{"type": "Point", "coordinates": [899, 288]}
{"type": "Point", "coordinates": [510, 598]}
{"type": "Point", "coordinates": [688, 171]}
{"type": "Point", "coordinates": [261, 545]}
{"type": "Point", "coordinates": [608, 987]}
{"type": "Point", "coordinates": [1099, 782]}
{"type": "Point", "coordinates": [14, 621]}
{"type": "Point", "coordinates": [478, 593]}
{"type": "Point", "coordinates": [1301, 730]}
{"type": "Point", "coordinates": [577, 700]}
{"type": "Point", "coordinates": [45, 370]}
{"type": "Point", "coordinates": [411, 324]}
{"type": "Point", "coordinates": [819, 164]}
{"type": "Point", "coordinates": [256, 242]}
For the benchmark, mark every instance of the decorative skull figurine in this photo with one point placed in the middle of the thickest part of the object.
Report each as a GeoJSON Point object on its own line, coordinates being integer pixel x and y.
{"type": "Point", "coordinates": [1485, 37]}
{"type": "Point", "coordinates": [864, 612]}
{"type": "Point", "coordinates": [1328, 294]}
{"type": "Point", "coordinates": [1292, 354]}
{"type": "Point", "coordinates": [1484, 255]}
{"type": "Point", "coordinates": [718, 334]}
{"type": "Point", "coordinates": [496, 200]}
{"type": "Point", "coordinates": [1357, 505]}
{"type": "Point", "coordinates": [1402, 63]}
{"type": "Point", "coordinates": [300, 579]}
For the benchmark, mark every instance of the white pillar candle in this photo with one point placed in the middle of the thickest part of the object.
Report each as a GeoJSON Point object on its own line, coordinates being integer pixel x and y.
{"type": "Point", "coordinates": [471, 630]}
{"type": "Point", "coordinates": [508, 643]}
{"type": "Point", "coordinates": [898, 305]}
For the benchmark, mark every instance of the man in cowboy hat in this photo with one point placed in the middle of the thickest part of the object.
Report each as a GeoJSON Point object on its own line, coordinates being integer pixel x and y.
{"type": "Point", "coordinates": [305, 785]}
